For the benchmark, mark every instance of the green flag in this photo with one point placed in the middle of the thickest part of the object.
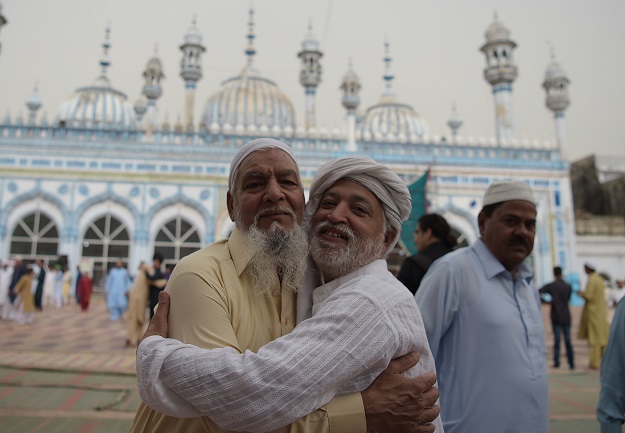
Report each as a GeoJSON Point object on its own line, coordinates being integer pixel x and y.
{"type": "Point", "coordinates": [417, 192]}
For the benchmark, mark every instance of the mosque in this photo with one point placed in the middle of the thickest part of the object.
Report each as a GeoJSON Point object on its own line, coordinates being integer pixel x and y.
{"type": "Point", "coordinates": [105, 179]}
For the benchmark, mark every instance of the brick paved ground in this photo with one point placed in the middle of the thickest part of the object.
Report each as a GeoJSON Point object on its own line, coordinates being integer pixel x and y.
{"type": "Point", "coordinates": [69, 372]}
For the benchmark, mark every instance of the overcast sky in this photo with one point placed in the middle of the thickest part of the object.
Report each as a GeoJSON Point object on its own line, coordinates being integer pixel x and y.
{"type": "Point", "coordinates": [435, 46]}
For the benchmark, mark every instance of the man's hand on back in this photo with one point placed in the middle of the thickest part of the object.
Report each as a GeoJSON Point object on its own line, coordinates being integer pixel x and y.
{"type": "Point", "coordinates": [398, 404]}
{"type": "Point", "coordinates": [158, 324]}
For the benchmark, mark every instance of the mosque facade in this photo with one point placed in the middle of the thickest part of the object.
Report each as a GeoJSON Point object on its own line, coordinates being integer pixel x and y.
{"type": "Point", "coordinates": [105, 180]}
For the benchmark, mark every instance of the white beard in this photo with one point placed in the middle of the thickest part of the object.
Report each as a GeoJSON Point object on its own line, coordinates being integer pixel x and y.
{"type": "Point", "coordinates": [278, 256]}
{"type": "Point", "coordinates": [335, 261]}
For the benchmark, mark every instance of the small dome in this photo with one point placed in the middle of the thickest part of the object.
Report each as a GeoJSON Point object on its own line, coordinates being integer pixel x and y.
{"type": "Point", "coordinates": [193, 36]}
{"type": "Point", "coordinates": [250, 101]}
{"type": "Point", "coordinates": [497, 31]}
{"type": "Point", "coordinates": [98, 107]}
{"type": "Point", "coordinates": [554, 71]}
{"type": "Point", "coordinates": [34, 101]}
{"type": "Point", "coordinates": [390, 119]}
{"type": "Point", "coordinates": [310, 42]}
{"type": "Point", "coordinates": [155, 66]}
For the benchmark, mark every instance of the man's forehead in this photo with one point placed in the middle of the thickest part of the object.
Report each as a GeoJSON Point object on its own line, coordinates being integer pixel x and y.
{"type": "Point", "coordinates": [354, 190]}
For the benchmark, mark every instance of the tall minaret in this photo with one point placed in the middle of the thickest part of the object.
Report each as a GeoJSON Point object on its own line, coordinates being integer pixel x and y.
{"type": "Point", "coordinates": [152, 89]}
{"type": "Point", "coordinates": [556, 85]}
{"type": "Point", "coordinates": [3, 20]}
{"type": "Point", "coordinates": [310, 74]}
{"type": "Point", "coordinates": [500, 72]}
{"type": "Point", "coordinates": [351, 99]}
{"type": "Point", "coordinates": [33, 103]}
{"type": "Point", "coordinates": [191, 70]}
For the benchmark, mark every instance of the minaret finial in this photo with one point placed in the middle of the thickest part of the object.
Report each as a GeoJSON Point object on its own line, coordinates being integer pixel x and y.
{"type": "Point", "coordinates": [250, 51]}
{"type": "Point", "coordinates": [105, 62]}
{"type": "Point", "coordinates": [388, 76]}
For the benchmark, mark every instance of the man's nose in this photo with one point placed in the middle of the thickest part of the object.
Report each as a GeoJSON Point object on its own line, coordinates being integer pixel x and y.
{"type": "Point", "coordinates": [273, 192]}
{"type": "Point", "coordinates": [338, 214]}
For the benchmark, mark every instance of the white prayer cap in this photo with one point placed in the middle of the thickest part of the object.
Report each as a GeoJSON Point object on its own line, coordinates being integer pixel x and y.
{"type": "Point", "coordinates": [253, 146]}
{"type": "Point", "coordinates": [590, 266]}
{"type": "Point", "coordinates": [498, 192]}
{"type": "Point", "coordinates": [377, 178]}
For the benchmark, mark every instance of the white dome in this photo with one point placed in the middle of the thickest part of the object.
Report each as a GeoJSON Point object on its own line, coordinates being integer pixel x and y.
{"type": "Point", "coordinates": [497, 31]}
{"type": "Point", "coordinates": [390, 118]}
{"type": "Point", "coordinates": [97, 107]}
{"type": "Point", "coordinates": [554, 71]}
{"type": "Point", "coordinates": [251, 101]}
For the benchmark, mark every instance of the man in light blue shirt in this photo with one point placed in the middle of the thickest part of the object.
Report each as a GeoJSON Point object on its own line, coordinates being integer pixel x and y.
{"type": "Point", "coordinates": [483, 320]}
{"type": "Point", "coordinates": [611, 408]}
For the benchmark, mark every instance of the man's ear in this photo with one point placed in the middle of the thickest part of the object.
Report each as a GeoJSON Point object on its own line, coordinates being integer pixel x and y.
{"type": "Point", "coordinates": [230, 204]}
{"type": "Point", "coordinates": [389, 236]}
{"type": "Point", "coordinates": [481, 219]}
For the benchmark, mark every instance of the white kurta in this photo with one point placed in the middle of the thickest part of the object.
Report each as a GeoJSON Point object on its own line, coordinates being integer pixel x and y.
{"type": "Point", "coordinates": [361, 321]}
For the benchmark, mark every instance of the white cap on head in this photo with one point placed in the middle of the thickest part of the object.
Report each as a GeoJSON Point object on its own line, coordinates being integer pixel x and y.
{"type": "Point", "coordinates": [498, 192]}
{"type": "Point", "coordinates": [377, 178]}
{"type": "Point", "coordinates": [253, 146]}
{"type": "Point", "coordinates": [591, 266]}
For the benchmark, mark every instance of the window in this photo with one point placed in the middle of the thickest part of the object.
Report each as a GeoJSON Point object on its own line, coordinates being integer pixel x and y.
{"type": "Point", "coordinates": [177, 239]}
{"type": "Point", "coordinates": [35, 236]}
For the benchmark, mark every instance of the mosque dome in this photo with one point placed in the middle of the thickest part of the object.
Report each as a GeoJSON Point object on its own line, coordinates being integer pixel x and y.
{"type": "Point", "coordinates": [390, 119]}
{"type": "Point", "coordinates": [249, 102]}
{"type": "Point", "coordinates": [252, 103]}
{"type": "Point", "coordinates": [98, 106]}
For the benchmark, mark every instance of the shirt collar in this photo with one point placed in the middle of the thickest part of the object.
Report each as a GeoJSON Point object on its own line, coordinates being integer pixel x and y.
{"type": "Point", "coordinates": [322, 292]}
{"type": "Point", "coordinates": [242, 255]}
{"type": "Point", "coordinates": [493, 267]}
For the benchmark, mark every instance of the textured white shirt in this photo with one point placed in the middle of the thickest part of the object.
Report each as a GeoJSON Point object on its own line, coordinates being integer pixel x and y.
{"type": "Point", "coordinates": [361, 321]}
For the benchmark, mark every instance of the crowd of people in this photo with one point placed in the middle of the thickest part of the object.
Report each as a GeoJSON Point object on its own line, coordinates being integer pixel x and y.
{"type": "Point", "coordinates": [29, 288]}
{"type": "Point", "coordinates": [294, 322]}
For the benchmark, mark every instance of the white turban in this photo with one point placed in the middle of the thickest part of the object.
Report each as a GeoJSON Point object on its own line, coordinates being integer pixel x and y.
{"type": "Point", "coordinates": [253, 146]}
{"type": "Point", "coordinates": [377, 178]}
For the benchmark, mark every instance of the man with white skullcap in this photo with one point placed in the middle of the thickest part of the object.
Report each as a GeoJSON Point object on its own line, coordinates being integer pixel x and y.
{"type": "Point", "coordinates": [484, 323]}
{"type": "Point", "coordinates": [593, 325]}
{"type": "Point", "coordinates": [238, 295]}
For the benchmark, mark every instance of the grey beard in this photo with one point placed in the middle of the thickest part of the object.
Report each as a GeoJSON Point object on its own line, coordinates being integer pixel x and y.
{"type": "Point", "coordinates": [334, 262]}
{"type": "Point", "coordinates": [278, 257]}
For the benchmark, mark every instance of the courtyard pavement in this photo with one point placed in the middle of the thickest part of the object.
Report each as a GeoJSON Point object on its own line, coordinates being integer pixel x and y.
{"type": "Point", "coordinates": [69, 372]}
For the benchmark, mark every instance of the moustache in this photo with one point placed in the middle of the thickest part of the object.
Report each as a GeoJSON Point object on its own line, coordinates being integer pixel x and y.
{"type": "Point", "coordinates": [341, 228]}
{"type": "Point", "coordinates": [274, 210]}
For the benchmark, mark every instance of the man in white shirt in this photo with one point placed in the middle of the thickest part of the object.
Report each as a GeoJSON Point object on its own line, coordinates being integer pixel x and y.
{"type": "Point", "coordinates": [362, 317]}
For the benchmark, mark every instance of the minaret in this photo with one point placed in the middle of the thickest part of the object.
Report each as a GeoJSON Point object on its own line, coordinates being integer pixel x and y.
{"type": "Point", "coordinates": [310, 74]}
{"type": "Point", "coordinates": [556, 85]}
{"type": "Point", "coordinates": [500, 72]}
{"type": "Point", "coordinates": [152, 89]}
{"type": "Point", "coordinates": [250, 51]}
{"type": "Point", "coordinates": [388, 75]}
{"type": "Point", "coordinates": [454, 122]}
{"type": "Point", "coordinates": [351, 99]}
{"type": "Point", "coordinates": [3, 20]}
{"type": "Point", "coordinates": [33, 103]}
{"type": "Point", "coordinates": [191, 70]}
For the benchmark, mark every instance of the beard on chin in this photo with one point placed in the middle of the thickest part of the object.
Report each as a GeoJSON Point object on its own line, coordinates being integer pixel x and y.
{"type": "Point", "coordinates": [337, 260]}
{"type": "Point", "coordinates": [278, 255]}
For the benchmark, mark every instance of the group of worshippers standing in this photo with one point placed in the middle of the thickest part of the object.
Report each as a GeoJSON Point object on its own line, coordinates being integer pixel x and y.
{"type": "Point", "coordinates": [231, 346]}
{"type": "Point", "coordinates": [28, 288]}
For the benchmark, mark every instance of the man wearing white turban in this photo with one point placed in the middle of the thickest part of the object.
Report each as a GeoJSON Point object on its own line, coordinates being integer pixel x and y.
{"type": "Point", "coordinates": [329, 360]}
{"type": "Point", "coordinates": [484, 322]}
